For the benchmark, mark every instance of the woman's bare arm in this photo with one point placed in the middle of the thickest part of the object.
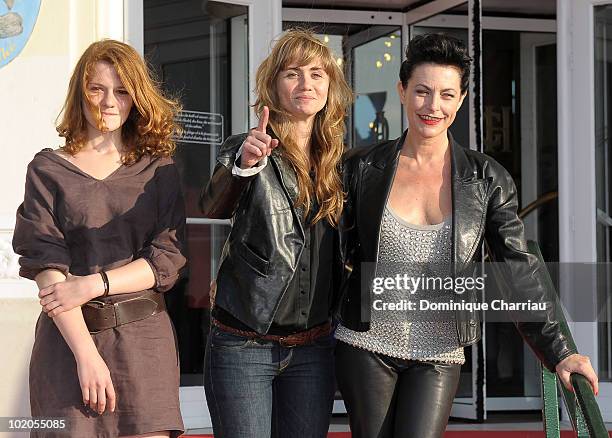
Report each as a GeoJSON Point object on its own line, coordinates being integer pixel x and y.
{"type": "Point", "coordinates": [94, 376]}
{"type": "Point", "coordinates": [74, 291]}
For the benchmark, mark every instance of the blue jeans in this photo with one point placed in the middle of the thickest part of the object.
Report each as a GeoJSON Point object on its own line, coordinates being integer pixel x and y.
{"type": "Point", "coordinates": [259, 389]}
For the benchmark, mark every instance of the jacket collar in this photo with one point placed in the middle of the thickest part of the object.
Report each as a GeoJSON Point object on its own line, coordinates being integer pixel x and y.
{"type": "Point", "coordinates": [461, 168]}
{"type": "Point", "coordinates": [286, 172]}
{"type": "Point", "coordinates": [382, 157]}
{"type": "Point", "coordinates": [288, 181]}
{"type": "Point", "coordinates": [377, 172]}
{"type": "Point", "coordinates": [468, 207]}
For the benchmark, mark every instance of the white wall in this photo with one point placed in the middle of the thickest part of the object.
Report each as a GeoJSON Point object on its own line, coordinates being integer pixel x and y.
{"type": "Point", "coordinates": [33, 87]}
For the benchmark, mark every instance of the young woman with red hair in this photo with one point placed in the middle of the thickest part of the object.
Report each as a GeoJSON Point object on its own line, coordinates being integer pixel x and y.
{"type": "Point", "coordinates": [100, 231]}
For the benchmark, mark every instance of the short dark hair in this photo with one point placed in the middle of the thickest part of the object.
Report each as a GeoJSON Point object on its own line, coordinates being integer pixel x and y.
{"type": "Point", "coordinates": [439, 49]}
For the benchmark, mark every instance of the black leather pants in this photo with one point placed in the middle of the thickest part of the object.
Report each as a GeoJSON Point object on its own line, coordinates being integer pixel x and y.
{"type": "Point", "coordinates": [394, 398]}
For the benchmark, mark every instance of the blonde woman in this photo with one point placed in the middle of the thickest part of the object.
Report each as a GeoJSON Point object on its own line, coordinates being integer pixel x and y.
{"type": "Point", "coordinates": [101, 230]}
{"type": "Point", "coordinates": [269, 358]}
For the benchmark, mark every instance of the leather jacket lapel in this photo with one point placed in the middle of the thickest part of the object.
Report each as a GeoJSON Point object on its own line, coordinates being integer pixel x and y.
{"type": "Point", "coordinates": [375, 184]}
{"type": "Point", "coordinates": [468, 197]}
{"type": "Point", "coordinates": [469, 207]}
{"type": "Point", "coordinates": [288, 180]}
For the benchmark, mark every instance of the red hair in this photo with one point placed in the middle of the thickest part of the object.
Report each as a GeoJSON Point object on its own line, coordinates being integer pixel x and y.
{"type": "Point", "coordinates": [150, 126]}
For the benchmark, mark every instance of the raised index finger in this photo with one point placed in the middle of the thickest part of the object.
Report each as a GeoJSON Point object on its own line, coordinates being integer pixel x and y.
{"type": "Point", "coordinates": [263, 121]}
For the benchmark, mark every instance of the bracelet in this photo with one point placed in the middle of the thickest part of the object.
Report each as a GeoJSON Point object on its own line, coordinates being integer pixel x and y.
{"type": "Point", "coordinates": [106, 283]}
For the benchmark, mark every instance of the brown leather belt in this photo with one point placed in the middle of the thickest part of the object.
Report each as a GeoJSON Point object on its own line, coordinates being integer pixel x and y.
{"type": "Point", "coordinates": [100, 315]}
{"type": "Point", "coordinates": [295, 340]}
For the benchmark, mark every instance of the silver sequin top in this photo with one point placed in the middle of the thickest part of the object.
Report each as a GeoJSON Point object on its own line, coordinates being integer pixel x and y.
{"type": "Point", "coordinates": [410, 333]}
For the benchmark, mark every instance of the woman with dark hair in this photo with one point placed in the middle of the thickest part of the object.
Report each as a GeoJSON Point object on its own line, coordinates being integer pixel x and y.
{"type": "Point", "coordinates": [269, 358]}
{"type": "Point", "coordinates": [422, 205]}
{"type": "Point", "coordinates": [101, 231]}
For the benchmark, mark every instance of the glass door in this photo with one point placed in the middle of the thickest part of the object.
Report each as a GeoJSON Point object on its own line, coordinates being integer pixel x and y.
{"type": "Point", "coordinates": [603, 184]}
{"type": "Point", "coordinates": [200, 52]}
{"type": "Point", "coordinates": [374, 60]}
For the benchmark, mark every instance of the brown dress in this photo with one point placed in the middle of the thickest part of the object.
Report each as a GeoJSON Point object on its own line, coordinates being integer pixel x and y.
{"type": "Point", "coordinates": [79, 224]}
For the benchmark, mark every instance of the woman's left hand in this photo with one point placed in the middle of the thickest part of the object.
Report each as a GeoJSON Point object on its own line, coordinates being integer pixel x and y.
{"type": "Point", "coordinates": [577, 363]}
{"type": "Point", "coordinates": [73, 292]}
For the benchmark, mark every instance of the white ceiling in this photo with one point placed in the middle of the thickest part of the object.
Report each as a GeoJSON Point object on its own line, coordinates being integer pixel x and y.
{"type": "Point", "coordinates": [496, 7]}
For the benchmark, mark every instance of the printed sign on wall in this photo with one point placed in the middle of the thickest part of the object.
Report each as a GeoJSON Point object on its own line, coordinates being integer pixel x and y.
{"type": "Point", "coordinates": [201, 127]}
{"type": "Point", "coordinates": [17, 19]}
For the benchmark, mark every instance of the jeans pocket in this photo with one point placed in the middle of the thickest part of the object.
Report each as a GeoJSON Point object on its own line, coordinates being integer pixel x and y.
{"type": "Point", "coordinates": [222, 339]}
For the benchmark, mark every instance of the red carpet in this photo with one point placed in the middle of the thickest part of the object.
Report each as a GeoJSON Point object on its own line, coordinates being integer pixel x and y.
{"type": "Point", "coordinates": [463, 434]}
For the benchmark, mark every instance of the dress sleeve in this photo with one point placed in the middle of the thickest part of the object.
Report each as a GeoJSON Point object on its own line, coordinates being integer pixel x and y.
{"type": "Point", "coordinates": [38, 238]}
{"type": "Point", "coordinates": [165, 252]}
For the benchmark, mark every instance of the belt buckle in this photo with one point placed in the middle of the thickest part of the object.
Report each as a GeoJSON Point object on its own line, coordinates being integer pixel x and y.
{"type": "Point", "coordinates": [282, 342]}
{"type": "Point", "coordinates": [98, 304]}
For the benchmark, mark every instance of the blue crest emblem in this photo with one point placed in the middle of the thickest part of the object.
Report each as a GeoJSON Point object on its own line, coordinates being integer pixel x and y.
{"type": "Point", "coordinates": [17, 19]}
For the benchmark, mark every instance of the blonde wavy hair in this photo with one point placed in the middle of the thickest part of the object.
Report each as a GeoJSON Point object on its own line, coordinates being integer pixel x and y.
{"type": "Point", "coordinates": [301, 47]}
{"type": "Point", "coordinates": [150, 126]}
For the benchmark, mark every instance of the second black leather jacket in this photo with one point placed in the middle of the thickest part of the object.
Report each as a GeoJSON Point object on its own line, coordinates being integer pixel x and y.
{"type": "Point", "coordinates": [264, 246]}
{"type": "Point", "coordinates": [484, 208]}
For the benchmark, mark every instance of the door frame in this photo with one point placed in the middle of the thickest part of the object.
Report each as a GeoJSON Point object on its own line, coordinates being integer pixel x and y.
{"type": "Point", "coordinates": [529, 186]}
{"type": "Point", "coordinates": [529, 129]}
{"type": "Point", "coordinates": [266, 13]}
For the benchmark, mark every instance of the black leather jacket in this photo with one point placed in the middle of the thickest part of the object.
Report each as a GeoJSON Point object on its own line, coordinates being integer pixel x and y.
{"type": "Point", "coordinates": [263, 248]}
{"type": "Point", "coordinates": [484, 208]}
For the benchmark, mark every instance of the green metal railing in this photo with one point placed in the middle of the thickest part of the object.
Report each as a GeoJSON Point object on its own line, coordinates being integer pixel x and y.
{"type": "Point", "coordinates": [581, 404]}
